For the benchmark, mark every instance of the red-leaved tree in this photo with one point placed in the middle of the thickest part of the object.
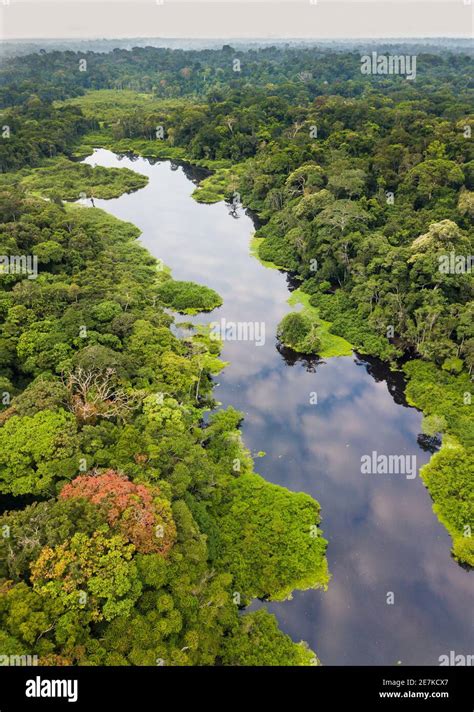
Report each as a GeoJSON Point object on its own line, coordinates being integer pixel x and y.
{"type": "Point", "coordinates": [138, 511]}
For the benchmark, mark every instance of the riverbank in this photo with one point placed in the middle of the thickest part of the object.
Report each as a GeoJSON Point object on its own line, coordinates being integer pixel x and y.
{"type": "Point", "coordinates": [315, 420]}
{"type": "Point", "coordinates": [334, 333]}
{"type": "Point", "coordinates": [107, 325]}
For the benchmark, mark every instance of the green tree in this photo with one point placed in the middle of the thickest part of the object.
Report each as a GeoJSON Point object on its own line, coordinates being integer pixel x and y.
{"type": "Point", "coordinates": [32, 465]}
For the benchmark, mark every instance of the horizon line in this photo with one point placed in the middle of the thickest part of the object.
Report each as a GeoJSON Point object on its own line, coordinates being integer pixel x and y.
{"type": "Point", "coordinates": [235, 39]}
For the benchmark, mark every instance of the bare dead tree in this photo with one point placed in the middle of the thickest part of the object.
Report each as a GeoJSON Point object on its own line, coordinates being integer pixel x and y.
{"type": "Point", "coordinates": [94, 394]}
{"type": "Point", "coordinates": [297, 126]}
{"type": "Point", "coordinates": [230, 122]}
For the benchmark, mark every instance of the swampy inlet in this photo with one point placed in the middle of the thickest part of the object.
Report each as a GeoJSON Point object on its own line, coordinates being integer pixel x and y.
{"type": "Point", "coordinates": [236, 424]}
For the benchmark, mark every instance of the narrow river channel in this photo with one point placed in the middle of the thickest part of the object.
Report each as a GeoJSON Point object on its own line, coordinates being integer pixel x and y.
{"type": "Point", "coordinates": [383, 536]}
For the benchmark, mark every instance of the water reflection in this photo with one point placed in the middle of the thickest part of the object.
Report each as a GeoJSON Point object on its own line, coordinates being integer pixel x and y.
{"type": "Point", "coordinates": [383, 536]}
{"type": "Point", "coordinates": [291, 358]}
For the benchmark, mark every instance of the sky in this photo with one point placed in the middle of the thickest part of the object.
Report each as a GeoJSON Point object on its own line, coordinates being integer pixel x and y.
{"type": "Point", "coordinates": [222, 19]}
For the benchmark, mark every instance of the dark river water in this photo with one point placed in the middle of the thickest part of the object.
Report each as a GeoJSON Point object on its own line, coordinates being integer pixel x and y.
{"type": "Point", "coordinates": [383, 536]}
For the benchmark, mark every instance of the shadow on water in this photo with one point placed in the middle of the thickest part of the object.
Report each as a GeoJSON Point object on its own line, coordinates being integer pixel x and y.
{"type": "Point", "coordinates": [382, 373]}
{"type": "Point", "coordinates": [291, 357]}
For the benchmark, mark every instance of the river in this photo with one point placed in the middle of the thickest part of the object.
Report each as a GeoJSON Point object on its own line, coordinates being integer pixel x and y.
{"type": "Point", "coordinates": [385, 543]}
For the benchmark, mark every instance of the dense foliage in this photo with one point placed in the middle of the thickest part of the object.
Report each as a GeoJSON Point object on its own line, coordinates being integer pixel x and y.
{"type": "Point", "coordinates": [150, 527]}
{"type": "Point", "coordinates": [297, 332]}
{"type": "Point", "coordinates": [133, 551]}
{"type": "Point", "coordinates": [186, 297]}
{"type": "Point", "coordinates": [61, 179]}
